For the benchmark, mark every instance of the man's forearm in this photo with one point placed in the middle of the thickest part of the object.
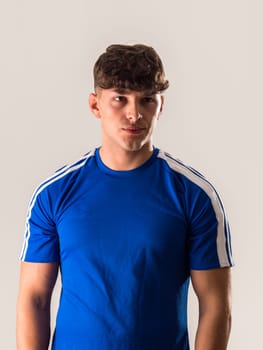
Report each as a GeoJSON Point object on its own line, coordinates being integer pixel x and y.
{"type": "Point", "coordinates": [33, 327]}
{"type": "Point", "coordinates": [213, 331]}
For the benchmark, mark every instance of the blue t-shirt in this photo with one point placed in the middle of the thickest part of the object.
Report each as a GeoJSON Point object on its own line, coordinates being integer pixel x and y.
{"type": "Point", "coordinates": [126, 242]}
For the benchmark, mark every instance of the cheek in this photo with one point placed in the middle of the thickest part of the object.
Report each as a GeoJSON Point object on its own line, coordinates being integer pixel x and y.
{"type": "Point", "coordinates": [108, 124]}
{"type": "Point", "coordinates": [152, 120]}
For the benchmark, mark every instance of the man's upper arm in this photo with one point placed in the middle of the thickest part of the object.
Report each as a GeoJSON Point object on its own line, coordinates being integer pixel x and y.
{"type": "Point", "coordinates": [212, 286]}
{"type": "Point", "coordinates": [37, 280]}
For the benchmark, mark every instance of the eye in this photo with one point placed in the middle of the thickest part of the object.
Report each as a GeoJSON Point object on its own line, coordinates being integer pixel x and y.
{"type": "Point", "coordinates": [119, 98]}
{"type": "Point", "coordinates": [148, 99]}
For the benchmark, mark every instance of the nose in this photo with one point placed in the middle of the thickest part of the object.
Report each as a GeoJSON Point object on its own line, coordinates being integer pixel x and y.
{"type": "Point", "coordinates": [133, 114]}
{"type": "Point", "coordinates": [133, 117]}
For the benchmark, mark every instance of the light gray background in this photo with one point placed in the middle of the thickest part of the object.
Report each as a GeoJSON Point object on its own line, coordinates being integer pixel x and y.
{"type": "Point", "coordinates": [212, 51]}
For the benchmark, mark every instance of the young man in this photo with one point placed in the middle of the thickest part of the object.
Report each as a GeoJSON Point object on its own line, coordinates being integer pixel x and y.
{"type": "Point", "coordinates": [128, 226]}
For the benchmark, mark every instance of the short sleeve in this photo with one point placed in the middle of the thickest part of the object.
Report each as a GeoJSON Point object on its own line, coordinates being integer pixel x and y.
{"type": "Point", "coordinates": [41, 242]}
{"type": "Point", "coordinates": [209, 236]}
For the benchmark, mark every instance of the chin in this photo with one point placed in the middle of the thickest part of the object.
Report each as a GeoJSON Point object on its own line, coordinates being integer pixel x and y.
{"type": "Point", "coordinates": [135, 147]}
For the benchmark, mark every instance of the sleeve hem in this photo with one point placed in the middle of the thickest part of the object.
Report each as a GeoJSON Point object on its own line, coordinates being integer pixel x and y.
{"type": "Point", "coordinates": [212, 267]}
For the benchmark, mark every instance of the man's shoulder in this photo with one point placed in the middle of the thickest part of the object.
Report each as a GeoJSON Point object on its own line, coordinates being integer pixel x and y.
{"type": "Point", "coordinates": [75, 165]}
{"type": "Point", "coordinates": [187, 173]}
{"type": "Point", "coordinates": [64, 174]}
{"type": "Point", "coordinates": [177, 165]}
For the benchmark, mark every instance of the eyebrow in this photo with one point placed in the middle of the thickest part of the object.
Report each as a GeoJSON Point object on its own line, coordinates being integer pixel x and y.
{"type": "Point", "coordinates": [121, 91]}
{"type": "Point", "coordinates": [124, 91]}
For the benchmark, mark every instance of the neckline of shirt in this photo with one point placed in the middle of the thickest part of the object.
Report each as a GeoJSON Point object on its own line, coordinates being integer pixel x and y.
{"type": "Point", "coordinates": [122, 173]}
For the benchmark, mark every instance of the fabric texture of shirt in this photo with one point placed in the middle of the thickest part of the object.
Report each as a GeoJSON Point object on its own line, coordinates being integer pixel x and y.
{"type": "Point", "coordinates": [126, 242]}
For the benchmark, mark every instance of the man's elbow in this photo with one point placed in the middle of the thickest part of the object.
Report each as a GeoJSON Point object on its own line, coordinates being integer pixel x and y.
{"type": "Point", "coordinates": [40, 302]}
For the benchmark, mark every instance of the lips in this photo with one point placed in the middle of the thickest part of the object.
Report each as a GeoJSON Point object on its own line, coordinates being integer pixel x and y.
{"type": "Point", "coordinates": [133, 129]}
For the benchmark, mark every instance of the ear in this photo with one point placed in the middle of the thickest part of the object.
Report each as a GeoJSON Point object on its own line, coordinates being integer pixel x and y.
{"type": "Point", "coordinates": [161, 107]}
{"type": "Point", "coordinates": [93, 105]}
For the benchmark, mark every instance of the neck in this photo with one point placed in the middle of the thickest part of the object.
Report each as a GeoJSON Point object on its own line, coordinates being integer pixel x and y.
{"type": "Point", "coordinates": [126, 160]}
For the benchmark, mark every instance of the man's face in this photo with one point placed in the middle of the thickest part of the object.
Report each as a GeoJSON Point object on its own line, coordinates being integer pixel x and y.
{"type": "Point", "coordinates": [127, 118]}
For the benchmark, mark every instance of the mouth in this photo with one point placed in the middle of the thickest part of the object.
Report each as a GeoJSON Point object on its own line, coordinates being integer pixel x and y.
{"type": "Point", "coordinates": [133, 130]}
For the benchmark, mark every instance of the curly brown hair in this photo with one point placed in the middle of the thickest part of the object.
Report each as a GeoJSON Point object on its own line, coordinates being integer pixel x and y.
{"type": "Point", "coordinates": [135, 67]}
